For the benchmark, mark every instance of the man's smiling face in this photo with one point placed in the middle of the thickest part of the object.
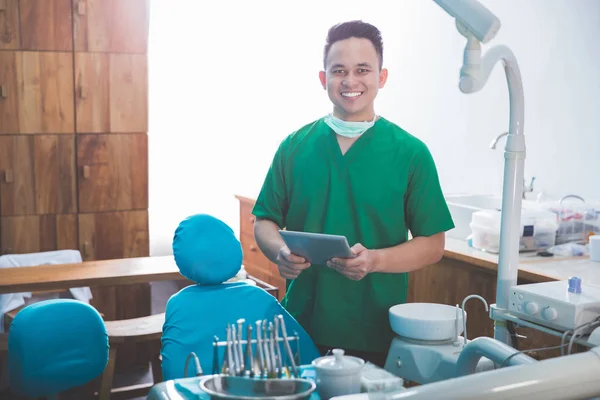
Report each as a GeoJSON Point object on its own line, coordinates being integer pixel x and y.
{"type": "Point", "coordinates": [352, 78]}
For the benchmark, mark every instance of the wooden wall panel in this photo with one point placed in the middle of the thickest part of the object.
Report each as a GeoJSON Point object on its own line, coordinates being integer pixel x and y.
{"type": "Point", "coordinates": [17, 188]}
{"type": "Point", "coordinates": [35, 233]}
{"type": "Point", "coordinates": [128, 93]}
{"type": "Point", "coordinates": [112, 92]}
{"type": "Point", "coordinates": [46, 92]}
{"type": "Point", "coordinates": [10, 37]}
{"type": "Point", "coordinates": [46, 25]}
{"type": "Point", "coordinates": [112, 26]}
{"type": "Point", "coordinates": [111, 235]}
{"type": "Point", "coordinates": [38, 174]}
{"type": "Point", "coordinates": [92, 86]}
{"type": "Point", "coordinates": [113, 172]}
{"type": "Point", "coordinates": [36, 92]}
{"type": "Point", "coordinates": [9, 89]}
{"type": "Point", "coordinates": [55, 174]}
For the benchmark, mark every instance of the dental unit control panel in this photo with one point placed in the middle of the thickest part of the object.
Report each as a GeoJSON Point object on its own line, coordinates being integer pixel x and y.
{"type": "Point", "coordinates": [562, 305]}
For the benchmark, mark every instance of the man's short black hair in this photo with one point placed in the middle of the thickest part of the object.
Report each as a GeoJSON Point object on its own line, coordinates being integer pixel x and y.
{"type": "Point", "coordinates": [357, 29]}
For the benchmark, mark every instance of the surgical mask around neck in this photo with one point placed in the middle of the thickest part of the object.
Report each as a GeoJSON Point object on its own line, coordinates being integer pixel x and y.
{"type": "Point", "coordinates": [349, 129]}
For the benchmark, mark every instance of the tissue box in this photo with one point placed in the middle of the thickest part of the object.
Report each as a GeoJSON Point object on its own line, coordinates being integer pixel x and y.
{"type": "Point", "coordinates": [537, 231]}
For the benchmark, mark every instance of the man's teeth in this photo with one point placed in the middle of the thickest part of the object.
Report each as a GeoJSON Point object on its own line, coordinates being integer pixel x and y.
{"type": "Point", "coordinates": [351, 94]}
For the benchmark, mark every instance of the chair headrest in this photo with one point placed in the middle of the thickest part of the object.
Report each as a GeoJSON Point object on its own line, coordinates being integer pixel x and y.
{"type": "Point", "coordinates": [206, 250]}
{"type": "Point", "coordinates": [55, 345]}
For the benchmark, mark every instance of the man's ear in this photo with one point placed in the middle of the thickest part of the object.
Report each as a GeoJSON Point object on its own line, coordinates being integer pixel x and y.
{"type": "Point", "coordinates": [383, 75]}
{"type": "Point", "coordinates": [323, 79]}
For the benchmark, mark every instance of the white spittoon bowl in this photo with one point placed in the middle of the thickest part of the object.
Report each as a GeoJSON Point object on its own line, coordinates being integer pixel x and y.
{"type": "Point", "coordinates": [426, 321]}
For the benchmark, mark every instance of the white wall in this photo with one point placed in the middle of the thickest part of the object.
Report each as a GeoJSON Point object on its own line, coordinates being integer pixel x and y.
{"type": "Point", "coordinates": [230, 79]}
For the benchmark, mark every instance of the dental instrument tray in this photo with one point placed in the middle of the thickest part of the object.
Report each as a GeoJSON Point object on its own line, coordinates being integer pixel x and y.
{"type": "Point", "coordinates": [262, 357]}
{"type": "Point", "coordinates": [317, 248]}
{"type": "Point", "coordinates": [240, 388]}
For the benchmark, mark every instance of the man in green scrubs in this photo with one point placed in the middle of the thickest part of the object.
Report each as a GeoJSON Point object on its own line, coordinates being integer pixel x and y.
{"type": "Point", "coordinates": [356, 174]}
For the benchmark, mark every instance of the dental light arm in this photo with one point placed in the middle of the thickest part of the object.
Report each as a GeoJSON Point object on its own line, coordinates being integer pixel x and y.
{"type": "Point", "coordinates": [479, 25]}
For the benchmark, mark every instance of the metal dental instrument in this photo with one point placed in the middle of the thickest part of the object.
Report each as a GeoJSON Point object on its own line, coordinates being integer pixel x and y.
{"type": "Point", "coordinates": [287, 345]}
{"type": "Point", "coordinates": [236, 354]}
{"type": "Point", "coordinates": [266, 346]}
{"type": "Point", "coordinates": [249, 356]}
{"type": "Point", "coordinates": [272, 350]}
{"type": "Point", "coordinates": [297, 355]}
{"type": "Point", "coordinates": [277, 348]}
{"type": "Point", "coordinates": [240, 323]}
{"type": "Point", "coordinates": [215, 368]}
{"type": "Point", "coordinates": [260, 348]}
{"type": "Point", "coordinates": [230, 364]}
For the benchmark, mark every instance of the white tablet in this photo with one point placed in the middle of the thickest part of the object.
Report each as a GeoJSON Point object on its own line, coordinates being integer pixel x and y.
{"type": "Point", "coordinates": [317, 248]}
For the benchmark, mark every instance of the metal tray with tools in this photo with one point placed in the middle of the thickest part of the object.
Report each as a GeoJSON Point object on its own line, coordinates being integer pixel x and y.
{"type": "Point", "coordinates": [267, 360]}
{"type": "Point", "coordinates": [243, 388]}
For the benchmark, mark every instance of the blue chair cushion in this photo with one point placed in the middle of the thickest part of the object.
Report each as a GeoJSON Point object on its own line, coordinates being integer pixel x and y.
{"type": "Point", "coordinates": [55, 345]}
{"type": "Point", "coordinates": [206, 250]}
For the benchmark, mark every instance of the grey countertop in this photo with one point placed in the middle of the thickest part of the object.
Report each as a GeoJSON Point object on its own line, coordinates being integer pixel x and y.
{"type": "Point", "coordinates": [531, 266]}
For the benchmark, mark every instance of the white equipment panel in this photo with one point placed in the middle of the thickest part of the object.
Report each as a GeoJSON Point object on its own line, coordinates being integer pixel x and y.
{"type": "Point", "coordinates": [560, 305]}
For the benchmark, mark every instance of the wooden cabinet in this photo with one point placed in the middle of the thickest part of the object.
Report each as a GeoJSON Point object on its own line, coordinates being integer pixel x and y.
{"type": "Point", "coordinates": [35, 233]}
{"type": "Point", "coordinates": [9, 97]}
{"type": "Point", "coordinates": [17, 192]}
{"type": "Point", "coordinates": [113, 172]}
{"type": "Point", "coordinates": [111, 92]}
{"type": "Point", "coordinates": [255, 262]}
{"type": "Point", "coordinates": [10, 37]}
{"type": "Point", "coordinates": [73, 136]}
{"type": "Point", "coordinates": [36, 92]}
{"type": "Point", "coordinates": [38, 175]}
{"type": "Point", "coordinates": [113, 26]}
{"type": "Point", "coordinates": [47, 25]}
{"type": "Point", "coordinates": [54, 172]}
{"type": "Point", "coordinates": [110, 235]}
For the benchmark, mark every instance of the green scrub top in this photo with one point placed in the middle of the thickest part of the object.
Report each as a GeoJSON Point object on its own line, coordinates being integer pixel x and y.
{"type": "Point", "coordinates": [384, 185]}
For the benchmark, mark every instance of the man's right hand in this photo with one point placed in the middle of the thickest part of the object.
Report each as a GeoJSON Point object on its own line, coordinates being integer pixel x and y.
{"type": "Point", "coordinates": [290, 265]}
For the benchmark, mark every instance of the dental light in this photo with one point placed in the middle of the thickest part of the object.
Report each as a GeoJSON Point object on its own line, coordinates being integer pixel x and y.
{"type": "Point", "coordinates": [476, 23]}
{"type": "Point", "coordinates": [471, 16]}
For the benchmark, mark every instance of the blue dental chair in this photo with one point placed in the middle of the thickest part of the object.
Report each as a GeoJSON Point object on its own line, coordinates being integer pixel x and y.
{"type": "Point", "coordinates": [208, 253]}
{"type": "Point", "coordinates": [55, 345]}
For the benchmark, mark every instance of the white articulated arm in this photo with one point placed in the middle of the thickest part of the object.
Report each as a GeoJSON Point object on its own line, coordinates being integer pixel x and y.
{"type": "Point", "coordinates": [561, 378]}
{"type": "Point", "coordinates": [474, 74]}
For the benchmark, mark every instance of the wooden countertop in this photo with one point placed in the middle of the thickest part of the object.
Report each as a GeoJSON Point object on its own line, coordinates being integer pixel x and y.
{"type": "Point", "coordinates": [531, 267]}
{"type": "Point", "coordinates": [88, 273]}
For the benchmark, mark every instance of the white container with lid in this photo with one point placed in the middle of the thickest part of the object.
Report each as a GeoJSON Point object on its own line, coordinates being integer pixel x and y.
{"type": "Point", "coordinates": [377, 380]}
{"type": "Point", "coordinates": [338, 375]}
{"type": "Point", "coordinates": [595, 248]}
{"type": "Point", "coordinates": [538, 229]}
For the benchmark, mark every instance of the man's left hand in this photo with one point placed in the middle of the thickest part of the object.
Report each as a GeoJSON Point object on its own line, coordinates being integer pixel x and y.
{"type": "Point", "coordinates": [355, 268]}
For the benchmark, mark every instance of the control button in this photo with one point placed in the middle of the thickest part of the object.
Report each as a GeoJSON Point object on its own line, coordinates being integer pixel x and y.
{"type": "Point", "coordinates": [521, 296]}
{"type": "Point", "coordinates": [520, 308]}
{"type": "Point", "coordinates": [575, 284]}
{"type": "Point", "coordinates": [550, 313]}
{"type": "Point", "coordinates": [532, 308]}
